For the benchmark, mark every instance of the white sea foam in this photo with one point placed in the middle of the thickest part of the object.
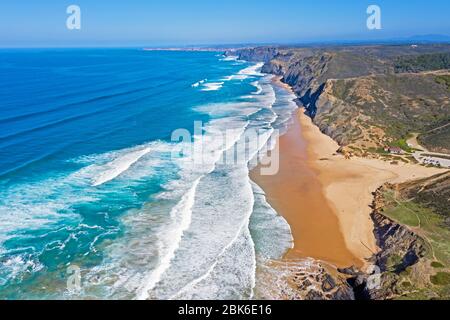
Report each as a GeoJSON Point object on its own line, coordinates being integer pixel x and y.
{"type": "Point", "coordinates": [217, 257]}
{"type": "Point", "coordinates": [149, 256]}
{"type": "Point", "coordinates": [197, 84]}
{"type": "Point", "coordinates": [17, 265]}
{"type": "Point", "coordinates": [35, 205]}
{"type": "Point", "coordinates": [227, 78]}
{"type": "Point", "coordinates": [265, 92]}
{"type": "Point", "coordinates": [230, 58]}
{"type": "Point", "coordinates": [236, 279]}
{"type": "Point", "coordinates": [254, 70]}
{"type": "Point", "coordinates": [194, 240]}
{"type": "Point", "coordinates": [222, 207]}
{"type": "Point", "coordinates": [251, 71]}
{"type": "Point", "coordinates": [212, 149]}
{"type": "Point", "coordinates": [212, 86]}
{"type": "Point", "coordinates": [228, 109]}
{"type": "Point", "coordinates": [116, 167]}
{"type": "Point", "coordinates": [235, 77]}
{"type": "Point", "coordinates": [45, 203]}
{"type": "Point", "coordinates": [258, 87]}
{"type": "Point", "coordinates": [266, 224]}
{"type": "Point", "coordinates": [180, 219]}
{"type": "Point", "coordinates": [234, 267]}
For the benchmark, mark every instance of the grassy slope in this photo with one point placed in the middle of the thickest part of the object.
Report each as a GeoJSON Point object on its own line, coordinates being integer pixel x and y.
{"type": "Point", "coordinates": [399, 104]}
{"type": "Point", "coordinates": [424, 206]}
{"type": "Point", "coordinates": [434, 61]}
{"type": "Point", "coordinates": [438, 140]}
{"type": "Point", "coordinates": [376, 87]}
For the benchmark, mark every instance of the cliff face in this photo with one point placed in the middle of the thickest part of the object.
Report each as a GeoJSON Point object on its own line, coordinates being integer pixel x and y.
{"type": "Point", "coordinates": [304, 280]}
{"type": "Point", "coordinates": [398, 104]}
{"type": "Point", "coordinates": [401, 254]}
{"type": "Point", "coordinates": [365, 97]}
{"type": "Point", "coordinates": [413, 234]}
{"type": "Point", "coordinates": [258, 54]}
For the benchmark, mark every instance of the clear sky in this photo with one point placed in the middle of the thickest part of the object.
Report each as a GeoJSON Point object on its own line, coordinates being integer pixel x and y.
{"type": "Point", "coordinates": [179, 22]}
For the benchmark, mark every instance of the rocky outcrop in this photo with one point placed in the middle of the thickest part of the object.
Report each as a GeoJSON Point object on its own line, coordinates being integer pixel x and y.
{"type": "Point", "coordinates": [301, 279]}
{"type": "Point", "coordinates": [322, 285]}
{"type": "Point", "coordinates": [355, 95]}
{"type": "Point", "coordinates": [400, 249]}
{"type": "Point", "coordinates": [413, 261]}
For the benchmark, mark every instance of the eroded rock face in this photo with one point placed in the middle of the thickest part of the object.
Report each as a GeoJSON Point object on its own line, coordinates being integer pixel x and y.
{"type": "Point", "coordinates": [395, 239]}
{"type": "Point", "coordinates": [357, 96]}
{"type": "Point", "coordinates": [258, 54]}
{"type": "Point", "coordinates": [323, 285]}
{"type": "Point", "coordinates": [305, 279]}
{"type": "Point", "coordinates": [400, 248]}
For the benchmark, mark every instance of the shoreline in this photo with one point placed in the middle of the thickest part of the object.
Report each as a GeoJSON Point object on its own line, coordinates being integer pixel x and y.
{"type": "Point", "coordinates": [296, 193]}
{"type": "Point", "coordinates": [326, 198]}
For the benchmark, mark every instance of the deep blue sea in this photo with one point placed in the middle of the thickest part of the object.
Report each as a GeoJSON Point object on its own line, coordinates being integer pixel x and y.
{"type": "Point", "coordinates": [95, 203]}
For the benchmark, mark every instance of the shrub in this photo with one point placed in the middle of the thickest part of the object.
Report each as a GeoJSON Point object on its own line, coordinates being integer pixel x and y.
{"type": "Point", "coordinates": [436, 264]}
{"type": "Point", "coordinates": [440, 279]}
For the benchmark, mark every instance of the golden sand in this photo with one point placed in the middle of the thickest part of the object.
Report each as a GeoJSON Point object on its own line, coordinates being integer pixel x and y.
{"type": "Point", "coordinates": [326, 198]}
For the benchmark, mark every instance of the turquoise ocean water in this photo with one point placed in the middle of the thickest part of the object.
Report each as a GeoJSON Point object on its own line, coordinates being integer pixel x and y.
{"type": "Point", "coordinates": [89, 180]}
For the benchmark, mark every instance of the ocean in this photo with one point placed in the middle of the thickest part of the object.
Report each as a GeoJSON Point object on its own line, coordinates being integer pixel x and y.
{"type": "Point", "coordinates": [95, 203]}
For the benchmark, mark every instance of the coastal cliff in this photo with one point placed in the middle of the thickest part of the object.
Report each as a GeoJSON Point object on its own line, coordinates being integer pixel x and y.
{"type": "Point", "coordinates": [368, 98]}
{"type": "Point", "coordinates": [411, 225]}
{"type": "Point", "coordinates": [258, 54]}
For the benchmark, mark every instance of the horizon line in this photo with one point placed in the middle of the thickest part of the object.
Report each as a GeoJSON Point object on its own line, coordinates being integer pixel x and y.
{"type": "Point", "coordinates": [418, 38]}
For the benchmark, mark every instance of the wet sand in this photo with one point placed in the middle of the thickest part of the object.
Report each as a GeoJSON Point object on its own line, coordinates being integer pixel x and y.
{"type": "Point", "coordinates": [326, 198]}
{"type": "Point", "coordinates": [297, 194]}
{"type": "Point", "coordinates": [349, 185]}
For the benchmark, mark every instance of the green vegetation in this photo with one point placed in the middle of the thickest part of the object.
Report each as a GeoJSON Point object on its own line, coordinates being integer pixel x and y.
{"type": "Point", "coordinates": [423, 206]}
{"type": "Point", "coordinates": [432, 225]}
{"type": "Point", "coordinates": [441, 279]}
{"type": "Point", "coordinates": [438, 140]}
{"type": "Point", "coordinates": [444, 80]}
{"type": "Point", "coordinates": [375, 87]}
{"type": "Point", "coordinates": [376, 96]}
{"type": "Point", "coordinates": [398, 104]}
{"type": "Point", "coordinates": [432, 193]}
{"type": "Point", "coordinates": [407, 284]}
{"type": "Point", "coordinates": [437, 265]}
{"type": "Point", "coordinates": [425, 62]}
{"type": "Point", "coordinates": [378, 151]}
{"type": "Point", "coordinates": [393, 262]}
{"type": "Point", "coordinates": [403, 212]}
{"type": "Point", "coordinates": [401, 143]}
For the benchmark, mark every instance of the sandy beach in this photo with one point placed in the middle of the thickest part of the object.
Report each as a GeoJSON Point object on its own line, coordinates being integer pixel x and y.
{"type": "Point", "coordinates": [326, 198]}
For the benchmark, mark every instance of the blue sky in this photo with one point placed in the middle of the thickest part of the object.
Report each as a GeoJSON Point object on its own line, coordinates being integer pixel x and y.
{"type": "Point", "coordinates": [178, 22]}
